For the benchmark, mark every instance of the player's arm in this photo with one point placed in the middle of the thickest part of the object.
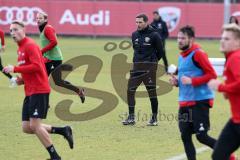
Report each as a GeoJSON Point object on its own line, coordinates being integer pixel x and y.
{"type": "Point", "coordinates": [157, 42]}
{"type": "Point", "coordinates": [202, 60]}
{"type": "Point", "coordinates": [2, 39]}
{"type": "Point", "coordinates": [235, 86]}
{"type": "Point", "coordinates": [49, 33]}
{"type": "Point", "coordinates": [34, 58]}
{"type": "Point", "coordinates": [165, 30]}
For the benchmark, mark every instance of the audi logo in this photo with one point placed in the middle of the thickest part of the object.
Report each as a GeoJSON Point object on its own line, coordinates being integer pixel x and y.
{"type": "Point", "coordinates": [25, 14]}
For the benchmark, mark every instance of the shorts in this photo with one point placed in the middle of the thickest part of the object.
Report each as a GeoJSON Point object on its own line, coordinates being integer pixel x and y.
{"type": "Point", "coordinates": [35, 106]}
{"type": "Point", "coordinates": [52, 65]}
{"type": "Point", "coordinates": [194, 119]}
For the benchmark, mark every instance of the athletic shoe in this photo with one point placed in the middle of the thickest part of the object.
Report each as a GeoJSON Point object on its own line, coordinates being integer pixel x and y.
{"type": "Point", "coordinates": [81, 94]}
{"type": "Point", "coordinates": [68, 136]}
{"type": "Point", "coordinates": [153, 121]}
{"type": "Point", "coordinates": [129, 121]}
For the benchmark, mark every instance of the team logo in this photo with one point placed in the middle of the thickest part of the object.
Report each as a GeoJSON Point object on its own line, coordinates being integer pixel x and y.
{"type": "Point", "coordinates": [25, 14]}
{"type": "Point", "coordinates": [35, 112]}
{"type": "Point", "coordinates": [147, 39]}
{"type": "Point", "coordinates": [201, 127]}
{"type": "Point", "coordinates": [171, 15]}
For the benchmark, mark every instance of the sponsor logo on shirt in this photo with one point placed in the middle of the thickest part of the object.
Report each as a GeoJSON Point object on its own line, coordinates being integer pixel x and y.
{"type": "Point", "coordinates": [21, 62]}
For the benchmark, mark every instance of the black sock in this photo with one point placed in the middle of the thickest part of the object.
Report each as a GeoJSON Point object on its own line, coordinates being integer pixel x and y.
{"type": "Point", "coordinates": [58, 130]}
{"type": "Point", "coordinates": [131, 110]}
{"type": "Point", "coordinates": [53, 153]}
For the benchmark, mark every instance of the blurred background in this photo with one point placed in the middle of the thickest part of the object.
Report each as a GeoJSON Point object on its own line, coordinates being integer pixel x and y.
{"type": "Point", "coordinates": [117, 17]}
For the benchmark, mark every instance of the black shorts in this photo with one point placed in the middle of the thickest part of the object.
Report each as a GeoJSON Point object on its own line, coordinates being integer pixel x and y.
{"type": "Point", "coordinates": [35, 106]}
{"type": "Point", "coordinates": [50, 66]}
{"type": "Point", "coordinates": [194, 119]}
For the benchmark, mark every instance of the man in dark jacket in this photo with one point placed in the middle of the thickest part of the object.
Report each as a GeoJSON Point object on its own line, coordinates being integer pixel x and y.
{"type": "Point", "coordinates": [162, 29]}
{"type": "Point", "coordinates": [148, 50]}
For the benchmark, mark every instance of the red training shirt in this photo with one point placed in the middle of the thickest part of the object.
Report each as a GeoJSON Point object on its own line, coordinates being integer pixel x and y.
{"type": "Point", "coordinates": [50, 34]}
{"type": "Point", "coordinates": [231, 87]}
{"type": "Point", "coordinates": [32, 68]}
{"type": "Point", "coordinates": [2, 38]}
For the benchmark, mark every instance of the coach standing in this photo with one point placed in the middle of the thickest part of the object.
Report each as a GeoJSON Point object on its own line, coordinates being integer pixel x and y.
{"type": "Point", "coordinates": [160, 25]}
{"type": "Point", "coordinates": [148, 50]}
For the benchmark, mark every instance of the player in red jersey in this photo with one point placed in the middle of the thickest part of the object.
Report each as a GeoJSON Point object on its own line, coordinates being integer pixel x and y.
{"type": "Point", "coordinates": [34, 77]}
{"type": "Point", "coordinates": [229, 139]}
{"type": "Point", "coordinates": [2, 48]}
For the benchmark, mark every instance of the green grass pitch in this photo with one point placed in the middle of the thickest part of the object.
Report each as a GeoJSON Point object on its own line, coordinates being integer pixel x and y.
{"type": "Point", "coordinates": [104, 137]}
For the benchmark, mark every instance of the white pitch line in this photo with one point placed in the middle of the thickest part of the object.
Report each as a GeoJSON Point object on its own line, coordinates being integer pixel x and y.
{"type": "Point", "coordinates": [183, 156]}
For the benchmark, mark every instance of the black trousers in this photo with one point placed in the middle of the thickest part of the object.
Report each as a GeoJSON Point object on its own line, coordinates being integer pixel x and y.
{"type": "Point", "coordinates": [1, 68]}
{"type": "Point", "coordinates": [55, 68]}
{"type": "Point", "coordinates": [228, 142]}
{"type": "Point", "coordinates": [143, 73]}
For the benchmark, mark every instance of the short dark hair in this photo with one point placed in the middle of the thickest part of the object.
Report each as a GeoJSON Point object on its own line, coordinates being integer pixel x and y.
{"type": "Point", "coordinates": [155, 12]}
{"type": "Point", "coordinates": [189, 30]}
{"type": "Point", "coordinates": [144, 16]}
{"type": "Point", "coordinates": [18, 23]}
{"type": "Point", "coordinates": [233, 18]}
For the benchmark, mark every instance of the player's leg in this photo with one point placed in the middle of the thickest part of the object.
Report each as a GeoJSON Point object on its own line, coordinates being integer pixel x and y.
{"type": "Point", "coordinates": [44, 137]}
{"type": "Point", "coordinates": [202, 123]}
{"type": "Point", "coordinates": [57, 78]}
{"type": "Point", "coordinates": [227, 142]}
{"type": "Point", "coordinates": [134, 81]}
{"type": "Point", "coordinates": [48, 67]}
{"type": "Point", "coordinates": [186, 129]}
{"type": "Point", "coordinates": [150, 84]}
{"type": "Point", "coordinates": [26, 117]}
{"type": "Point", "coordinates": [33, 126]}
{"type": "Point", "coordinates": [64, 131]}
{"type": "Point", "coordinates": [39, 108]}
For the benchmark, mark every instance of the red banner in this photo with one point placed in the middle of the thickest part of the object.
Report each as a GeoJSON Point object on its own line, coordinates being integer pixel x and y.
{"type": "Point", "coordinates": [113, 18]}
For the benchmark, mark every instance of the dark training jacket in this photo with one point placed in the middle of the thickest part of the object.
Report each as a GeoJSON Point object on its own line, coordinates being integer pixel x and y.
{"type": "Point", "coordinates": [147, 45]}
{"type": "Point", "coordinates": [161, 28]}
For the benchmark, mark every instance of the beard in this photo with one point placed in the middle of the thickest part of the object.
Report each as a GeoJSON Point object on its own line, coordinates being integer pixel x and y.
{"type": "Point", "coordinates": [185, 47]}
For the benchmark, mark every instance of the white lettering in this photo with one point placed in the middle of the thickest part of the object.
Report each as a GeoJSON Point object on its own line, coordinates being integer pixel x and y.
{"type": "Point", "coordinates": [83, 21]}
{"type": "Point", "coordinates": [21, 62]}
{"type": "Point", "coordinates": [97, 19]}
{"type": "Point", "coordinates": [107, 18]}
{"type": "Point", "coordinates": [67, 17]}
